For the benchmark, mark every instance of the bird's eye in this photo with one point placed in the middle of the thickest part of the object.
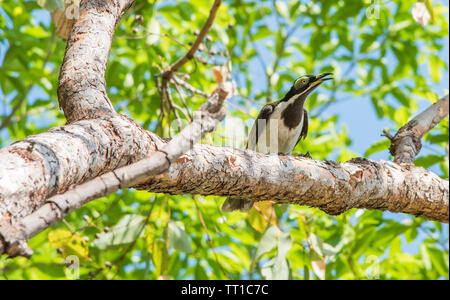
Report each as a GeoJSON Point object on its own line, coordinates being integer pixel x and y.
{"type": "Point", "coordinates": [301, 83]}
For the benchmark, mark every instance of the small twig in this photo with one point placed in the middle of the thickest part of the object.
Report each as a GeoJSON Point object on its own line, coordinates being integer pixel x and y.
{"type": "Point", "coordinates": [406, 144]}
{"type": "Point", "coordinates": [190, 54]}
{"type": "Point", "coordinates": [237, 108]}
{"type": "Point", "coordinates": [172, 106]}
{"type": "Point", "coordinates": [387, 134]}
{"type": "Point", "coordinates": [183, 100]}
{"type": "Point", "coordinates": [189, 87]}
{"type": "Point", "coordinates": [165, 102]}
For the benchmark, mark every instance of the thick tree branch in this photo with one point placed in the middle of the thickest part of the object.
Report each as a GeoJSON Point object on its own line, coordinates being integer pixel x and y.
{"type": "Point", "coordinates": [332, 187]}
{"type": "Point", "coordinates": [406, 144]}
{"type": "Point", "coordinates": [82, 87]}
{"type": "Point", "coordinates": [13, 238]}
{"type": "Point", "coordinates": [43, 165]}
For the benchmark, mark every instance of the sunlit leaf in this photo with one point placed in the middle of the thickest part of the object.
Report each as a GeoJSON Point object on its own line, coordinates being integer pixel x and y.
{"type": "Point", "coordinates": [268, 241]}
{"type": "Point", "coordinates": [381, 145]}
{"type": "Point", "coordinates": [127, 230]}
{"type": "Point", "coordinates": [71, 244]}
{"type": "Point", "coordinates": [153, 31]}
{"type": "Point", "coordinates": [178, 239]}
{"type": "Point", "coordinates": [51, 4]}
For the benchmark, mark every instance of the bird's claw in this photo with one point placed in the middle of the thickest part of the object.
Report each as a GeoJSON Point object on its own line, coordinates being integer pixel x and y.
{"type": "Point", "coordinates": [306, 155]}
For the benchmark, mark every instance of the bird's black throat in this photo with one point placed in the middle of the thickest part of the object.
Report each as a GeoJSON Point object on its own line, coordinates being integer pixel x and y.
{"type": "Point", "coordinates": [293, 113]}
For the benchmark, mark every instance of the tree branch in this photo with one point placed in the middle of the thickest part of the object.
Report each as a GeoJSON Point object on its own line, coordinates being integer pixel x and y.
{"type": "Point", "coordinates": [42, 165]}
{"type": "Point", "coordinates": [333, 187]}
{"type": "Point", "coordinates": [13, 238]}
{"type": "Point", "coordinates": [406, 144]}
{"type": "Point", "coordinates": [82, 87]}
{"type": "Point", "coordinates": [190, 54]}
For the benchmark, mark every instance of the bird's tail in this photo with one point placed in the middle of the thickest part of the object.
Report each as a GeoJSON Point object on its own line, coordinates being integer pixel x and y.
{"type": "Point", "coordinates": [231, 204]}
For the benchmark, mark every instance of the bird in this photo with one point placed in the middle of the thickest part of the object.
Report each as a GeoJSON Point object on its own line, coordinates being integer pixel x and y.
{"type": "Point", "coordinates": [279, 127]}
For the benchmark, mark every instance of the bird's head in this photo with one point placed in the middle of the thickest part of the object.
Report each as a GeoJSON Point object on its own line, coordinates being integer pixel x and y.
{"type": "Point", "coordinates": [305, 84]}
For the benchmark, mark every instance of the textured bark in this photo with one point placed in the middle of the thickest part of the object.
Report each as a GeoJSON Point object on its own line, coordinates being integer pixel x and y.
{"type": "Point", "coordinates": [406, 144]}
{"type": "Point", "coordinates": [14, 237]}
{"type": "Point", "coordinates": [42, 165]}
{"type": "Point", "coordinates": [82, 87]}
{"type": "Point", "coordinates": [332, 187]}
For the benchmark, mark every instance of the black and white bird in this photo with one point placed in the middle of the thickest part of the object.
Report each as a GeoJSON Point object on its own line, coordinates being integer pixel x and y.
{"type": "Point", "coordinates": [279, 127]}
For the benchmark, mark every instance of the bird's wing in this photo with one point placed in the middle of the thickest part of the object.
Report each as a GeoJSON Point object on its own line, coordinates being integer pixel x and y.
{"type": "Point", "coordinates": [264, 114]}
{"type": "Point", "coordinates": [304, 127]}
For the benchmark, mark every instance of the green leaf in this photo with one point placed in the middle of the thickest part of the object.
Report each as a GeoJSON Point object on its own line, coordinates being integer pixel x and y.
{"type": "Point", "coordinates": [268, 241]}
{"type": "Point", "coordinates": [435, 68]}
{"type": "Point", "coordinates": [187, 11]}
{"type": "Point", "coordinates": [305, 272]}
{"type": "Point", "coordinates": [71, 244]}
{"type": "Point", "coordinates": [159, 257]}
{"type": "Point", "coordinates": [284, 244]}
{"type": "Point", "coordinates": [430, 8]}
{"type": "Point", "coordinates": [445, 167]}
{"type": "Point", "coordinates": [127, 230]}
{"type": "Point", "coordinates": [276, 269]}
{"type": "Point", "coordinates": [401, 115]}
{"type": "Point", "coordinates": [377, 147]}
{"type": "Point", "coordinates": [439, 260]}
{"type": "Point", "coordinates": [293, 9]}
{"type": "Point", "coordinates": [178, 239]}
{"type": "Point", "coordinates": [428, 160]}
{"type": "Point", "coordinates": [282, 9]}
{"type": "Point", "coordinates": [37, 32]}
{"type": "Point", "coordinates": [263, 32]}
{"type": "Point", "coordinates": [59, 237]}
{"type": "Point", "coordinates": [425, 257]}
{"type": "Point", "coordinates": [316, 244]}
{"type": "Point", "coordinates": [153, 31]}
{"type": "Point", "coordinates": [51, 4]}
{"type": "Point", "coordinates": [279, 269]}
{"type": "Point", "coordinates": [267, 269]}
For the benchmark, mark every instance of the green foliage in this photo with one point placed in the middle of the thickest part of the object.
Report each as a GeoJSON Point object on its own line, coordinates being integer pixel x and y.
{"type": "Point", "coordinates": [178, 239]}
{"type": "Point", "coordinates": [128, 229]}
{"type": "Point", "coordinates": [390, 62]}
{"type": "Point", "coordinates": [51, 4]}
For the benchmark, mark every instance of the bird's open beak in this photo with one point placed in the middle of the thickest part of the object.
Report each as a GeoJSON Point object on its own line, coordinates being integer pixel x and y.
{"type": "Point", "coordinates": [321, 78]}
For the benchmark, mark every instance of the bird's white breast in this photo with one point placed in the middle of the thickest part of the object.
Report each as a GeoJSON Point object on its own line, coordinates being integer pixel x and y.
{"type": "Point", "coordinates": [279, 137]}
